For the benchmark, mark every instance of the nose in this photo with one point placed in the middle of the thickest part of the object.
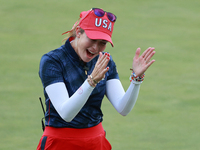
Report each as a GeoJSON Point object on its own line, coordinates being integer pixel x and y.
{"type": "Point", "coordinates": [95, 46]}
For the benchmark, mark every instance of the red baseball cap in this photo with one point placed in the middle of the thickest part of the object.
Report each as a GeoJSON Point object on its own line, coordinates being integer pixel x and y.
{"type": "Point", "coordinates": [96, 27]}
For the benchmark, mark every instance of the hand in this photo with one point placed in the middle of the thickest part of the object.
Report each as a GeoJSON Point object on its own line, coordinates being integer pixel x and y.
{"type": "Point", "coordinates": [142, 63]}
{"type": "Point", "coordinates": [100, 68]}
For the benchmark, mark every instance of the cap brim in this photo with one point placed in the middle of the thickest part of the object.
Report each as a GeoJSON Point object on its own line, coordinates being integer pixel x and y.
{"type": "Point", "coordinates": [98, 35]}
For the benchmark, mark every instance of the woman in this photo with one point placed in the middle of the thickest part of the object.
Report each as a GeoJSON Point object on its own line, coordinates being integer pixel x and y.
{"type": "Point", "coordinates": [76, 77]}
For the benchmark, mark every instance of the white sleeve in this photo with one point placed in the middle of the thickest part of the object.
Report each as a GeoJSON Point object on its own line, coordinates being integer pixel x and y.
{"type": "Point", "coordinates": [122, 101]}
{"type": "Point", "coordinates": [68, 107]}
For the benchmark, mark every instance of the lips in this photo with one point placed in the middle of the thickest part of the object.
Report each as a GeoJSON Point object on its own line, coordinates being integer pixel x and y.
{"type": "Point", "coordinates": [90, 54]}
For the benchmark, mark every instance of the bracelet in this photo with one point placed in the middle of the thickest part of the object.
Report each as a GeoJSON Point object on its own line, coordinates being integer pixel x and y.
{"type": "Point", "coordinates": [94, 80]}
{"type": "Point", "coordinates": [91, 81]}
{"type": "Point", "coordinates": [133, 77]}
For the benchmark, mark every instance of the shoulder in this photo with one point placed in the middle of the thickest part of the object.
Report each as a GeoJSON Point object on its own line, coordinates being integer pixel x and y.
{"type": "Point", "coordinates": [52, 59]}
{"type": "Point", "coordinates": [54, 55]}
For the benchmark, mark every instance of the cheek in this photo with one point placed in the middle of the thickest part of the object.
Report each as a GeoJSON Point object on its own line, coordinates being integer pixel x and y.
{"type": "Point", "coordinates": [82, 44]}
{"type": "Point", "coordinates": [86, 44]}
{"type": "Point", "coordinates": [102, 48]}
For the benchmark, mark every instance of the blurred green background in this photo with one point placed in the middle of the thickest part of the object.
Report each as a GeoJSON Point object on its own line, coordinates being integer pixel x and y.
{"type": "Point", "coordinates": [167, 113]}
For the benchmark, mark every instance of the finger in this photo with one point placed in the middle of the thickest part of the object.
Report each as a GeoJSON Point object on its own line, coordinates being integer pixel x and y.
{"type": "Point", "coordinates": [100, 70]}
{"type": "Point", "coordinates": [104, 71]}
{"type": "Point", "coordinates": [100, 57]}
{"type": "Point", "coordinates": [145, 52]}
{"type": "Point", "coordinates": [137, 53]}
{"type": "Point", "coordinates": [100, 60]}
{"type": "Point", "coordinates": [150, 56]}
{"type": "Point", "coordinates": [105, 58]}
{"type": "Point", "coordinates": [101, 64]}
{"type": "Point", "coordinates": [150, 50]}
{"type": "Point", "coordinates": [104, 62]}
{"type": "Point", "coordinates": [149, 64]}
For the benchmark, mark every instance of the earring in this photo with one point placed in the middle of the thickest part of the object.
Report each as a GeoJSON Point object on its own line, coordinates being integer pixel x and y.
{"type": "Point", "coordinates": [78, 34]}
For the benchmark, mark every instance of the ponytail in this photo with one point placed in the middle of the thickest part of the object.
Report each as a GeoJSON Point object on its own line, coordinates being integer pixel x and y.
{"type": "Point", "coordinates": [72, 32]}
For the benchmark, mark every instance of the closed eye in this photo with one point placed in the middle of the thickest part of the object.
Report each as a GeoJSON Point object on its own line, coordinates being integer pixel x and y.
{"type": "Point", "coordinates": [103, 42]}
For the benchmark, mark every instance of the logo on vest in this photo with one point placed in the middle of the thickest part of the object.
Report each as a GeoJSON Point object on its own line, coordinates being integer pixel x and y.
{"type": "Point", "coordinates": [104, 23]}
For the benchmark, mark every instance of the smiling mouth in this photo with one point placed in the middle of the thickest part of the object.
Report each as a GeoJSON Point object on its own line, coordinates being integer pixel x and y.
{"type": "Point", "coordinates": [90, 54]}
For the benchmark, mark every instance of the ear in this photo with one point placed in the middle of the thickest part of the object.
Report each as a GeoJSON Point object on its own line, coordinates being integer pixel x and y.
{"type": "Point", "coordinates": [78, 31]}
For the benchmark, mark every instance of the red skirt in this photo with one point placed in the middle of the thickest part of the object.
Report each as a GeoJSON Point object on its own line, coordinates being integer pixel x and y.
{"type": "Point", "coordinates": [74, 139]}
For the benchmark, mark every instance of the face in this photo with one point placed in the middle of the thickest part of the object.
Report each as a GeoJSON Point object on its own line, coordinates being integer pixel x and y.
{"type": "Point", "coordinates": [87, 48]}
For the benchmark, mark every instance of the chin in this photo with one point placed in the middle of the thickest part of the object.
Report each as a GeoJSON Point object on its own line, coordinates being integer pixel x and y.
{"type": "Point", "coordinates": [86, 60]}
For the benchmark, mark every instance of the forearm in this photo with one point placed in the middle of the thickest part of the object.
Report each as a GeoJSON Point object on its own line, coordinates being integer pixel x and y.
{"type": "Point", "coordinates": [68, 107]}
{"type": "Point", "coordinates": [121, 100]}
{"type": "Point", "coordinates": [129, 99]}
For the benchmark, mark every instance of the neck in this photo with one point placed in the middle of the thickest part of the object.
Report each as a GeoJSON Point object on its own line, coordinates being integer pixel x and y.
{"type": "Point", "coordinates": [74, 44]}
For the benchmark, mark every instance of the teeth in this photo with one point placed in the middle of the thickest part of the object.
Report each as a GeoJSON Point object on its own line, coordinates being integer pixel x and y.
{"type": "Point", "coordinates": [91, 52]}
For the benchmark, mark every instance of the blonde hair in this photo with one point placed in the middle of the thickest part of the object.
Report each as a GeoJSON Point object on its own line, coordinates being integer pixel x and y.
{"type": "Point", "coordinates": [72, 32]}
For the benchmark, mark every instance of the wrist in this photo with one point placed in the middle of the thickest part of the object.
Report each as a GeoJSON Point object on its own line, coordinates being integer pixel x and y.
{"type": "Point", "coordinates": [136, 79]}
{"type": "Point", "coordinates": [91, 81]}
{"type": "Point", "coordinates": [135, 74]}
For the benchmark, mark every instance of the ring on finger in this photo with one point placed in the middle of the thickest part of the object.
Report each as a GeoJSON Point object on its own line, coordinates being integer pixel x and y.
{"type": "Point", "coordinates": [147, 62]}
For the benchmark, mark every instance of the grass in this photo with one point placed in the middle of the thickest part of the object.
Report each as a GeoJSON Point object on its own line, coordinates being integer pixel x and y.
{"type": "Point", "coordinates": [166, 115]}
